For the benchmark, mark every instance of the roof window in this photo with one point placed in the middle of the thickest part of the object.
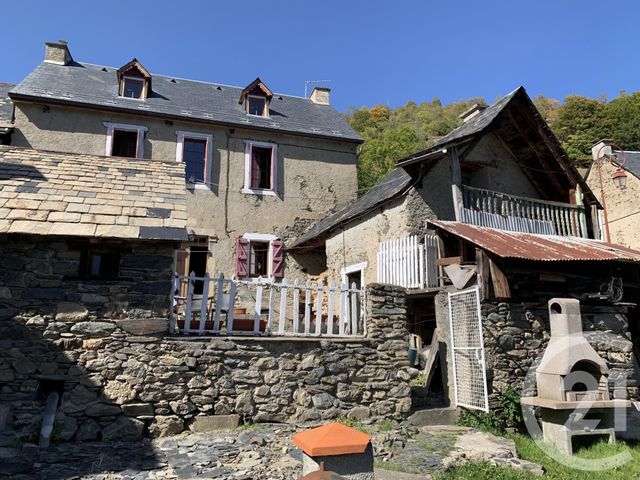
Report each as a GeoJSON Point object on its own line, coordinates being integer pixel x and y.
{"type": "Point", "coordinates": [255, 98]}
{"type": "Point", "coordinates": [134, 81]}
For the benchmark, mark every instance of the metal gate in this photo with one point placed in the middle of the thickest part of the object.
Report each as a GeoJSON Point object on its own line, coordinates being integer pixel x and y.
{"type": "Point", "coordinates": [467, 345]}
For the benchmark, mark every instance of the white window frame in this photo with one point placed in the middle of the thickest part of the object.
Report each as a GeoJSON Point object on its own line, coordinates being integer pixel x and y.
{"type": "Point", "coordinates": [249, 144]}
{"type": "Point", "coordinates": [265, 110]}
{"type": "Point", "coordinates": [111, 127]}
{"type": "Point", "coordinates": [143, 92]}
{"type": "Point", "coordinates": [260, 237]}
{"type": "Point", "coordinates": [181, 136]}
{"type": "Point", "coordinates": [352, 269]}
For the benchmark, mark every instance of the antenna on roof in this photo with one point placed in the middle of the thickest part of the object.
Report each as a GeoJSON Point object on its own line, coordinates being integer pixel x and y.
{"type": "Point", "coordinates": [308, 82]}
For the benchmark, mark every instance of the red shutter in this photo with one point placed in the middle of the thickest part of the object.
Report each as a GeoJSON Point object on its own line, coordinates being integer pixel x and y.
{"type": "Point", "coordinates": [272, 173]}
{"type": "Point", "coordinates": [277, 262]}
{"type": "Point", "coordinates": [255, 171]}
{"type": "Point", "coordinates": [242, 257]}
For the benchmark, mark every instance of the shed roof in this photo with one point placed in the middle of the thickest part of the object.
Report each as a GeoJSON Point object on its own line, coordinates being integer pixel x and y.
{"type": "Point", "coordinates": [529, 246]}
{"type": "Point", "coordinates": [96, 86]}
{"type": "Point", "coordinates": [52, 193]}
{"type": "Point", "coordinates": [6, 105]}
{"type": "Point", "coordinates": [332, 439]}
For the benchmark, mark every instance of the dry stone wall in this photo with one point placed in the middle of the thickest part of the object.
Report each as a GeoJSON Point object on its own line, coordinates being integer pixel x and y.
{"type": "Point", "coordinates": [122, 376]}
{"type": "Point", "coordinates": [515, 336]}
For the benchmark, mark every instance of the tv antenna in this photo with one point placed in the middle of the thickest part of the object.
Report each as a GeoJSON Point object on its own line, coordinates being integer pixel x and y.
{"type": "Point", "coordinates": [308, 82]}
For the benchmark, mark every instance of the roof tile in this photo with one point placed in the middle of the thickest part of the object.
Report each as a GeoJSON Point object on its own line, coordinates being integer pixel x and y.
{"type": "Point", "coordinates": [68, 204]}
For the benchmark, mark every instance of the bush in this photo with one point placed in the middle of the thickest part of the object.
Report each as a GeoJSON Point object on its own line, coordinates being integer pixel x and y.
{"type": "Point", "coordinates": [495, 421]}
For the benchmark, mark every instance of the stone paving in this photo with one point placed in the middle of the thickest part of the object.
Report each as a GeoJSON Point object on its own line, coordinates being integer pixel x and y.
{"type": "Point", "coordinates": [258, 452]}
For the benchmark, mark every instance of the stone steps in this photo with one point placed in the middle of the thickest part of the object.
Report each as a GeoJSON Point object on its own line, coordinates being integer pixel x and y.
{"type": "Point", "coordinates": [434, 416]}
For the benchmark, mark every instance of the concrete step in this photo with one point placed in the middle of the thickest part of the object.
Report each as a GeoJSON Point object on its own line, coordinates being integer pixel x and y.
{"type": "Point", "coordinates": [434, 416]}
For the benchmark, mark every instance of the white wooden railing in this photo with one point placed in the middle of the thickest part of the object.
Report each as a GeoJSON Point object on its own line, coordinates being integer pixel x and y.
{"type": "Point", "coordinates": [407, 263]}
{"type": "Point", "coordinates": [486, 208]}
{"type": "Point", "coordinates": [265, 307]}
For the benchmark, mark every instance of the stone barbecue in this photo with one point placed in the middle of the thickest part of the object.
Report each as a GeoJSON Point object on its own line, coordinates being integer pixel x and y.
{"type": "Point", "coordinates": [572, 382]}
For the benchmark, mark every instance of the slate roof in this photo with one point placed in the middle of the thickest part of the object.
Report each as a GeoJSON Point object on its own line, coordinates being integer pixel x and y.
{"type": "Point", "coordinates": [386, 189]}
{"type": "Point", "coordinates": [632, 163]}
{"type": "Point", "coordinates": [6, 105]}
{"type": "Point", "coordinates": [97, 86]}
{"type": "Point", "coordinates": [50, 193]}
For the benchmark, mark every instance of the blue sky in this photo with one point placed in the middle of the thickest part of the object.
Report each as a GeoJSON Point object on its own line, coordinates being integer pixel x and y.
{"type": "Point", "coordinates": [373, 51]}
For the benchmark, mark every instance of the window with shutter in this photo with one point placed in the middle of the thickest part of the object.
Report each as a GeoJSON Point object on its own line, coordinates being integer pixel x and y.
{"type": "Point", "coordinates": [277, 258]}
{"type": "Point", "coordinates": [260, 168]}
{"type": "Point", "coordinates": [242, 257]}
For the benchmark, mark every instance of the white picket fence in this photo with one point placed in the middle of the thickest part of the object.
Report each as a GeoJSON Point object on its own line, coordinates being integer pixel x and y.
{"type": "Point", "coordinates": [407, 263]}
{"type": "Point", "coordinates": [273, 308]}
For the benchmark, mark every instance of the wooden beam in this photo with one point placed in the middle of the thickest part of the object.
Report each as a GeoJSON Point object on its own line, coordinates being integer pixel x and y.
{"type": "Point", "coordinates": [484, 273]}
{"type": "Point", "coordinates": [456, 184]}
{"type": "Point", "coordinates": [532, 178]}
{"type": "Point", "coordinates": [500, 282]}
{"type": "Point", "coordinates": [543, 162]}
{"type": "Point", "coordinates": [449, 260]}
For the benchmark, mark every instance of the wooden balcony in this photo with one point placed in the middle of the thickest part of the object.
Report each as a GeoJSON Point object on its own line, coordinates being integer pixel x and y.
{"type": "Point", "coordinates": [486, 208]}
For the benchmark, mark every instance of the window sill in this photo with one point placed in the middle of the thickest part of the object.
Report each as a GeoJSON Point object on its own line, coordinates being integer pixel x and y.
{"type": "Point", "coordinates": [196, 186]}
{"type": "Point", "coordinates": [257, 191]}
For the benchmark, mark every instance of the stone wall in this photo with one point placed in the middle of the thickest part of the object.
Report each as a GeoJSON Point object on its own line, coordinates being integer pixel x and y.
{"type": "Point", "coordinates": [515, 336]}
{"type": "Point", "coordinates": [41, 275]}
{"type": "Point", "coordinates": [128, 378]}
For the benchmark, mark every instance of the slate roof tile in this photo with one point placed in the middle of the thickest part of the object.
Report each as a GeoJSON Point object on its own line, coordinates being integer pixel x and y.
{"type": "Point", "coordinates": [97, 86]}
{"type": "Point", "coordinates": [36, 199]}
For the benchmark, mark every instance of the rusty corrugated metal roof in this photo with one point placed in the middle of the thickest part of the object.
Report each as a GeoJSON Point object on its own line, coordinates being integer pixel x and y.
{"type": "Point", "coordinates": [538, 247]}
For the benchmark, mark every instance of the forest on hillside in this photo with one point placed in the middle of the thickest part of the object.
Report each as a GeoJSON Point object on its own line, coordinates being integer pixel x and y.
{"type": "Point", "coordinates": [579, 122]}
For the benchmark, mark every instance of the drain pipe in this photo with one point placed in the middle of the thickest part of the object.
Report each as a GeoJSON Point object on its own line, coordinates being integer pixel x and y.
{"type": "Point", "coordinates": [49, 419]}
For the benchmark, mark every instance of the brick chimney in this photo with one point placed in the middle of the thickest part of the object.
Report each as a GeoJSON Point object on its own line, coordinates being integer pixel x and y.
{"type": "Point", "coordinates": [57, 52]}
{"type": "Point", "coordinates": [320, 95]}
{"type": "Point", "coordinates": [472, 112]}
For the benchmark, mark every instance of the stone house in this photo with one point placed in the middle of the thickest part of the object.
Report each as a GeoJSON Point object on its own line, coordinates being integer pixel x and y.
{"type": "Point", "coordinates": [86, 245]}
{"type": "Point", "coordinates": [482, 229]}
{"type": "Point", "coordinates": [622, 217]}
{"type": "Point", "coordinates": [260, 166]}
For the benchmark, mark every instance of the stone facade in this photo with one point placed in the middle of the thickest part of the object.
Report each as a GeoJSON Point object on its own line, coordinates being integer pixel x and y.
{"type": "Point", "coordinates": [124, 377]}
{"type": "Point", "coordinates": [516, 336]}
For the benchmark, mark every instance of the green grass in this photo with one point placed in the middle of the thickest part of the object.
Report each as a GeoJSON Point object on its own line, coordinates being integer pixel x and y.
{"type": "Point", "coordinates": [528, 450]}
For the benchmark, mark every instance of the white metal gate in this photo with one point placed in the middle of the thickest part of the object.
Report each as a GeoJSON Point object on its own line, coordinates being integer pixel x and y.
{"type": "Point", "coordinates": [467, 345]}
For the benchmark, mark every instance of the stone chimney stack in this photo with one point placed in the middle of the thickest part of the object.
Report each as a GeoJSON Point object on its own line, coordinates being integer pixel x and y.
{"type": "Point", "coordinates": [57, 52]}
{"type": "Point", "coordinates": [474, 111]}
{"type": "Point", "coordinates": [320, 95]}
{"type": "Point", "coordinates": [602, 148]}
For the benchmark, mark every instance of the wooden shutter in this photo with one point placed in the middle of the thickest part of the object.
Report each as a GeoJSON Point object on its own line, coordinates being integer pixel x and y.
{"type": "Point", "coordinates": [272, 173]}
{"type": "Point", "coordinates": [277, 258]}
{"type": "Point", "coordinates": [255, 171]}
{"type": "Point", "coordinates": [242, 257]}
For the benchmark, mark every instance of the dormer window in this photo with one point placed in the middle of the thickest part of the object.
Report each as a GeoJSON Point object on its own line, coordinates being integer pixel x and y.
{"type": "Point", "coordinates": [255, 99]}
{"type": "Point", "coordinates": [132, 88]}
{"type": "Point", "coordinates": [257, 106]}
{"type": "Point", "coordinates": [134, 81]}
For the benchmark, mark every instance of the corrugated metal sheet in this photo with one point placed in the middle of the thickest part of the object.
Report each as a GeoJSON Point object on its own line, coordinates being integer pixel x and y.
{"type": "Point", "coordinates": [538, 247]}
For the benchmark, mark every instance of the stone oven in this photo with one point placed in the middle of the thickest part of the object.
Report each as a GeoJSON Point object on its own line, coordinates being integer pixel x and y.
{"type": "Point", "coordinates": [570, 369]}
{"type": "Point", "coordinates": [572, 382]}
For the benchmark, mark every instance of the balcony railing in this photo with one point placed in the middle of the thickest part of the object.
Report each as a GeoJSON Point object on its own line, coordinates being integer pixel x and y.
{"type": "Point", "coordinates": [486, 208]}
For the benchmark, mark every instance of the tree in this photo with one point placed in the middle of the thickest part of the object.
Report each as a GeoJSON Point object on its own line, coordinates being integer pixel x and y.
{"type": "Point", "coordinates": [579, 123]}
{"type": "Point", "coordinates": [379, 155]}
{"type": "Point", "coordinates": [623, 115]}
